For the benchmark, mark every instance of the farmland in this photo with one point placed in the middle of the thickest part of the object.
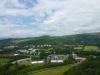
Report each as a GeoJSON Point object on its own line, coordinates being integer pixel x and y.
{"type": "Point", "coordinates": [53, 71]}
{"type": "Point", "coordinates": [46, 48]}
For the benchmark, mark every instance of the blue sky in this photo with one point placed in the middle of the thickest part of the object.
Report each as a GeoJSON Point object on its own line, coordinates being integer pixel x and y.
{"type": "Point", "coordinates": [30, 18]}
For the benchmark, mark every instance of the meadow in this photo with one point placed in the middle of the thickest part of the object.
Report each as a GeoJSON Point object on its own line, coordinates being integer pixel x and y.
{"type": "Point", "coordinates": [53, 71]}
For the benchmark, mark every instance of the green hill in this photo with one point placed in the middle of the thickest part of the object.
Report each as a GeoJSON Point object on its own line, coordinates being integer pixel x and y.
{"type": "Point", "coordinates": [89, 67]}
{"type": "Point", "coordinates": [91, 39]}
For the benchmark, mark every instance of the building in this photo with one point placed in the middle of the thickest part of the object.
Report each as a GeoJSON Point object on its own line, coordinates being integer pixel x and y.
{"type": "Point", "coordinates": [56, 58]}
{"type": "Point", "coordinates": [22, 61]}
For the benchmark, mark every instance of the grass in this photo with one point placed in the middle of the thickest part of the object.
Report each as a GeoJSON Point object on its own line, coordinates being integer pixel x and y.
{"type": "Point", "coordinates": [87, 48]}
{"type": "Point", "coordinates": [91, 48]}
{"type": "Point", "coordinates": [53, 71]}
{"type": "Point", "coordinates": [4, 61]}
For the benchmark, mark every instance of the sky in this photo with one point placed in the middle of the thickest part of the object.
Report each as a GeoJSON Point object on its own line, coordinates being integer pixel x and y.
{"type": "Point", "coordinates": [30, 18]}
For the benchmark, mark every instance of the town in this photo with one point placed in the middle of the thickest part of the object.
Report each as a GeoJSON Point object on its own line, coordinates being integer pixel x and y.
{"type": "Point", "coordinates": [39, 55]}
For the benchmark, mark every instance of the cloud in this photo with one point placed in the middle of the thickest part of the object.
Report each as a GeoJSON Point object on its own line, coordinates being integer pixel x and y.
{"type": "Point", "coordinates": [19, 4]}
{"type": "Point", "coordinates": [23, 18]}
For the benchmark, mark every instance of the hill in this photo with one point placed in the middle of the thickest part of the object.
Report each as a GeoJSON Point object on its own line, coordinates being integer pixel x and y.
{"type": "Point", "coordinates": [89, 67]}
{"type": "Point", "coordinates": [90, 38]}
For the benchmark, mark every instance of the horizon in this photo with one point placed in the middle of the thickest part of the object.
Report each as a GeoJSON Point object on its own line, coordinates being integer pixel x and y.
{"type": "Point", "coordinates": [47, 35]}
{"type": "Point", "coordinates": [34, 18]}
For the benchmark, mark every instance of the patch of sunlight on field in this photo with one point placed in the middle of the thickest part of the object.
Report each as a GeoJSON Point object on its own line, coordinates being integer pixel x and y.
{"type": "Point", "coordinates": [91, 48]}
{"type": "Point", "coordinates": [87, 48]}
{"type": "Point", "coordinates": [54, 71]}
{"type": "Point", "coordinates": [21, 40]}
{"type": "Point", "coordinates": [78, 48]}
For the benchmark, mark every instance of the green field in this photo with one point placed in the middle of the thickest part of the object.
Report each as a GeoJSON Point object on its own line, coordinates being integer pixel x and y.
{"type": "Point", "coordinates": [86, 48]}
{"type": "Point", "coordinates": [53, 71]}
{"type": "Point", "coordinates": [4, 61]}
{"type": "Point", "coordinates": [91, 48]}
{"type": "Point", "coordinates": [89, 67]}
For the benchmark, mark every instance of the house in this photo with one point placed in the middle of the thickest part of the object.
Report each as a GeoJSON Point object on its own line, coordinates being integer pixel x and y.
{"type": "Point", "coordinates": [16, 54]}
{"type": "Point", "coordinates": [56, 58]}
{"type": "Point", "coordinates": [77, 58]}
{"type": "Point", "coordinates": [38, 62]}
{"type": "Point", "coordinates": [22, 61]}
{"type": "Point", "coordinates": [34, 51]}
{"type": "Point", "coordinates": [23, 51]}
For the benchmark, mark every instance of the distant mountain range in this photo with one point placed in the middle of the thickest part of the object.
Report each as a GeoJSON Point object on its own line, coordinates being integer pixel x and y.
{"type": "Point", "coordinates": [89, 38]}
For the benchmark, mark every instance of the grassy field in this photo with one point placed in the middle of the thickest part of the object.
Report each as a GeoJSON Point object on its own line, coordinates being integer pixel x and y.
{"type": "Point", "coordinates": [91, 48]}
{"type": "Point", "coordinates": [87, 48]}
{"type": "Point", "coordinates": [53, 71]}
{"type": "Point", "coordinates": [4, 61]}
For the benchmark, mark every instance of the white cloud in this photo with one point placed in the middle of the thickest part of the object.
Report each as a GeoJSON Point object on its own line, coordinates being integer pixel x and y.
{"type": "Point", "coordinates": [54, 17]}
